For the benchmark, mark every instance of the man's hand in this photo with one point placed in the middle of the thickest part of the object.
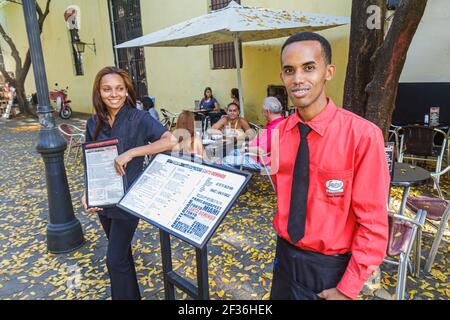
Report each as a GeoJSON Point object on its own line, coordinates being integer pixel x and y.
{"type": "Point", "coordinates": [333, 294]}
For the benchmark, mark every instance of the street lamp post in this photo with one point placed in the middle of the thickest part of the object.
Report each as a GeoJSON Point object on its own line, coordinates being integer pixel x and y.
{"type": "Point", "coordinates": [64, 231]}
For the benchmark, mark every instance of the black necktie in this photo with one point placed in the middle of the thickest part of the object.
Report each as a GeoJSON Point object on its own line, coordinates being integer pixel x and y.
{"type": "Point", "coordinates": [299, 191]}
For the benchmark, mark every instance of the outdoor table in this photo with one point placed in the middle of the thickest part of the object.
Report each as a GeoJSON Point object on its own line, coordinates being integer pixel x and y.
{"type": "Point", "coordinates": [220, 148]}
{"type": "Point", "coordinates": [201, 111]}
{"type": "Point", "coordinates": [407, 176]}
{"type": "Point", "coordinates": [442, 125]}
{"type": "Point", "coordinates": [201, 115]}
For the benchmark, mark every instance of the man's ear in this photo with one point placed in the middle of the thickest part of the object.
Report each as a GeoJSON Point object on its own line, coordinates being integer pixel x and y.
{"type": "Point", "coordinates": [331, 70]}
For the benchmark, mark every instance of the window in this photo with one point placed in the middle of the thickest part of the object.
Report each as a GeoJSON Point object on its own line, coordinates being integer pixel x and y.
{"type": "Point", "coordinates": [223, 54]}
{"type": "Point", "coordinates": [125, 16]}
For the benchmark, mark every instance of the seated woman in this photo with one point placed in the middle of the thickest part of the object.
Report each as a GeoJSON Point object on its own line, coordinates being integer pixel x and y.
{"type": "Point", "coordinates": [261, 145]}
{"type": "Point", "coordinates": [208, 101]}
{"type": "Point", "coordinates": [233, 125]}
{"type": "Point", "coordinates": [188, 141]}
{"type": "Point", "coordinates": [210, 104]}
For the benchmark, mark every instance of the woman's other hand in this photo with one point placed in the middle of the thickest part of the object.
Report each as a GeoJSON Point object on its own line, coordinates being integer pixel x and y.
{"type": "Point", "coordinates": [91, 210]}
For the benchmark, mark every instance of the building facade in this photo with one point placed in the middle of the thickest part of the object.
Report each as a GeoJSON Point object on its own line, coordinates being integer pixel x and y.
{"type": "Point", "coordinates": [176, 77]}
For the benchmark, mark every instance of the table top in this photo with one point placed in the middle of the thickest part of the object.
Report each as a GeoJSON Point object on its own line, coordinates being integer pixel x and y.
{"type": "Point", "coordinates": [407, 175]}
{"type": "Point", "coordinates": [442, 125]}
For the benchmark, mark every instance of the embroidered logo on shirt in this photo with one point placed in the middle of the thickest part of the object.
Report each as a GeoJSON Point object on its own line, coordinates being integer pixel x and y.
{"type": "Point", "coordinates": [335, 187]}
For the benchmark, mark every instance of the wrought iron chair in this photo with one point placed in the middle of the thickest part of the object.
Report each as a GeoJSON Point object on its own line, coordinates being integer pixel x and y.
{"type": "Point", "coordinates": [403, 236]}
{"type": "Point", "coordinates": [394, 136]}
{"type": "Point", "coordinates": [438, 211]}
{"type": "Point", "coordinates": [74, 137]}
{"type": "Point", "coordinates": [417, 143]}
{"type": "Point", "coordinates": [255, 127]}
{"type": "Point", "coordinates": [169, 118]}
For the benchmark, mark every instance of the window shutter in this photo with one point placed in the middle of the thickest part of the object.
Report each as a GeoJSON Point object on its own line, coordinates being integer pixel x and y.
{"type": "Point", "coordinates": [223, 54]}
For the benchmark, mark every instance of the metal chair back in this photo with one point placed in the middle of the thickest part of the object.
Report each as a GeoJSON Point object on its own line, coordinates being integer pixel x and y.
{"type": "Point", "coordinates": [404, 234]}
{"type": "Point", "coordinates": [74, 136]}
{"type": "Point", "coordinates": [418, 140]}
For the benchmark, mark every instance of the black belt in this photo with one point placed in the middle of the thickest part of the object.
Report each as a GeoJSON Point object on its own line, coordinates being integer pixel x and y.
{"type": "Point", "coordinates": [347, 254]}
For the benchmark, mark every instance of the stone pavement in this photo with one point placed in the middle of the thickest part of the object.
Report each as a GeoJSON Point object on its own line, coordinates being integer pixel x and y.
{"type": "Point", "coordinates": [240, 254]}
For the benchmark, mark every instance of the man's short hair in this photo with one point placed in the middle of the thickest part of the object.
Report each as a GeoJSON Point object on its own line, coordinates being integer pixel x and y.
{"type": "Point", "coordinates": [272, 104]}
{"type": "Point", "coordinates": [311, 36]}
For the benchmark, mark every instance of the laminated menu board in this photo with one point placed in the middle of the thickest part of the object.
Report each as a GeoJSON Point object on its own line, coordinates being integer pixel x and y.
{"type": "Point", "coordinates": [104, 186]}
{"type": "Point", "coordinates": [185, 198]}
{"type": "Point", "coordinates": [389, 148]}
{"type": "Point", "coordinates": [434, 116]}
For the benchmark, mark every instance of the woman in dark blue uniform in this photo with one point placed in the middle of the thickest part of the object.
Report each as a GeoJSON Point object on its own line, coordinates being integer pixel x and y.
{"type": "Point", "coordinates": [116, 116]}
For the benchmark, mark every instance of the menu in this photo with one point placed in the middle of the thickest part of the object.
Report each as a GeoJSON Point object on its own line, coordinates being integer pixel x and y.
{"type": "Point", "coordinates": [389, 150]}
{"type": "Point", "coordinates": [185, 198]}
{"type": "Point", "coordinates": [434, 116]}
{"type": "Point", "coordinates": [104, 186]}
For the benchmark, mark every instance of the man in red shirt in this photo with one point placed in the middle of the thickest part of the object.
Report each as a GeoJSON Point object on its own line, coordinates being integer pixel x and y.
{"type": "Point", "coordinates": [332, 185]}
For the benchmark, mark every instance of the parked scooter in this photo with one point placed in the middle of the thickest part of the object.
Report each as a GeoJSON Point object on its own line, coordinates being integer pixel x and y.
{"type": "Point", "coordinates": [59, 96]}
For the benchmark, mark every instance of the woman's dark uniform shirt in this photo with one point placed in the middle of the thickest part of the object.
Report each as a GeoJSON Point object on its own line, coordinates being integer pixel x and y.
{"type": "Point", "coordinates": [134, 128]}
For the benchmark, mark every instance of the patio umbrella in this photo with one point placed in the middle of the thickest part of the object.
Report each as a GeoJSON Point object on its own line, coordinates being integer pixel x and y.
{"type": "Point", "coordinates": [236, 23]}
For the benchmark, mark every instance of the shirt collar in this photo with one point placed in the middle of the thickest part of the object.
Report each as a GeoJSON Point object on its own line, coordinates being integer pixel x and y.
{"type": "Point", "coordinates": [121, 114]}
{"type": "Point", "coordinates": [275, 121]}
{"type": "Point", "coordinates": [319, 123]}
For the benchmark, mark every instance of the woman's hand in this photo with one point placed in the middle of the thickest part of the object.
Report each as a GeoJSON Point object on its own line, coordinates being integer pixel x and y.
{"type": "Point", "coordinates": [90, 210]}
{"type": "Point", "coordinates": [121, 161]}
{"type": "Point", "coordinates": [333, 294]}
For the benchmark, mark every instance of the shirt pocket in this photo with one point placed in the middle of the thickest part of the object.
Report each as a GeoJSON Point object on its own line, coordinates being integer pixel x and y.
{"type": "Point", "coordinates": [335, 188]}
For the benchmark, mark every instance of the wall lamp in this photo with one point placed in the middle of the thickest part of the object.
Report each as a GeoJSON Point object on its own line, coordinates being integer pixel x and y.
{"type": "Point", "coordinates": [80, 46]}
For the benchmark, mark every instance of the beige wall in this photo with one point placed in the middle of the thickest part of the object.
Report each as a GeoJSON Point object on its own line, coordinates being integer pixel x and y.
{"type": "Point", "coordinates": [56, 47]}
{"type": "Point", "coordinates": [428, 57]}
{"type": "Point", "coordinates": [178, 76]}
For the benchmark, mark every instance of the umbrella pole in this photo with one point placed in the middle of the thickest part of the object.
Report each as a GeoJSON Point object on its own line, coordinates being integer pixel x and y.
{"type": "Point", "coordinates": [238, 69]}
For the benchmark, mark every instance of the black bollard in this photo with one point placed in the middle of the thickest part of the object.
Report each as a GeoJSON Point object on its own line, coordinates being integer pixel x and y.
{"type": "Point", "coordinates": [64, 231]}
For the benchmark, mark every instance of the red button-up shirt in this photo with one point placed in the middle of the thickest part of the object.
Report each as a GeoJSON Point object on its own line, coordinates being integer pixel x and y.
{"type": "Point", "coordinates": [264, 139]}
{"type": "Point", "coordinates": [348, 189]}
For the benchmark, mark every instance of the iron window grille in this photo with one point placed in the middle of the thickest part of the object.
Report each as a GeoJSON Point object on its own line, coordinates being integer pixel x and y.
{"type": "Point", "coordinates": [126, 24]}
{"type": "Point", "coordinates": [223, 54]}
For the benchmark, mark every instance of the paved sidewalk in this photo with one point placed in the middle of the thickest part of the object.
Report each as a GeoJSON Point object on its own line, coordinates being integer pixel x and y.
{"type": "Point", "coordinates": [240, 253]}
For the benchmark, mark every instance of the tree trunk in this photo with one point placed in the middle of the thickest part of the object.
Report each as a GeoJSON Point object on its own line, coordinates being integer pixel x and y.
{"type": "Point", "coordinates": [389, 62]}
{"type": "Point", "coordinates": [21, 71]}
{"type": "Point", "coordinates": [24, 106]}
{"type": "Point", "coordinates": [363, 44]}
{"type": "Point", "coordinates": [378, 69]}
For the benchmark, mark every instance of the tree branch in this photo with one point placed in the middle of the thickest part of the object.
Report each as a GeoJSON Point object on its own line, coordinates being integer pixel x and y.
{"type": "Point", "coordinates": [14, 52]}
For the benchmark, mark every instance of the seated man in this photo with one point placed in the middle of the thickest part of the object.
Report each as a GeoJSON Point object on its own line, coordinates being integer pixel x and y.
{"type": "Point", "coordinates": [261, 145]}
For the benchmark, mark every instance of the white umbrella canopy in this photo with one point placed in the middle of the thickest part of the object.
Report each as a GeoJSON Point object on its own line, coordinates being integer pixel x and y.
{"type": "Point", "coordinates": [236, 23]}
